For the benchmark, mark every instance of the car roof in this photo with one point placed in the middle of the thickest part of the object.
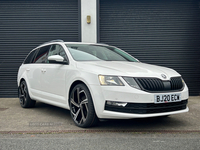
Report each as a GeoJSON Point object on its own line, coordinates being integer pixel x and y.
{"type": "Point", "coordinates": [85, 43]}
{"type": "Point", "coordinates": [61, 41]}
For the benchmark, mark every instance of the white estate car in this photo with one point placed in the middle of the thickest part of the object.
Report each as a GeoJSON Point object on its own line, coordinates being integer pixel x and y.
{"type": "Point", "coordinates": [98, 81]}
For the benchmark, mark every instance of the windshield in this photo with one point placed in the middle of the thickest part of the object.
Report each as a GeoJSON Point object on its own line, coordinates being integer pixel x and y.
{"type": "Point", "coordinates": [86, 52]}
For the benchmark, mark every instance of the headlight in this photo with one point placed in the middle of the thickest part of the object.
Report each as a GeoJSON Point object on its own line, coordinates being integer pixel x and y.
{"type": "Point", "coordinates": [110, 80]}
{"type": "Point", "coordinates": [131, 81]}
{"type": "Point", "coordinates": [183, 82]}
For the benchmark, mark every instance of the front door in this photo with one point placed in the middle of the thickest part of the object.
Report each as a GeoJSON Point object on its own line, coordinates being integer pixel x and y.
{"type": "Point", "coordinates": [53, 76]}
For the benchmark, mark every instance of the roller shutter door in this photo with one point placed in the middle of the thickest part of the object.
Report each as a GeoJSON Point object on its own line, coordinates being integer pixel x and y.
{"type": "Point", "coordinates": [24, 24]}
{"type": "Point", "coordinates": [159, 32]}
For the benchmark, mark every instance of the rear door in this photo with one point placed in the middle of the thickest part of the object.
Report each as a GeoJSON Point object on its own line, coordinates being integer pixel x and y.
{"type": "Point", "coordinates": [36, 71]}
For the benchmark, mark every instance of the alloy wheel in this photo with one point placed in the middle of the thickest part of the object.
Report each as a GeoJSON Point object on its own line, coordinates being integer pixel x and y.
{"type": "Point", "coordinates": [23, 93]}
{"type": "Point", "coordinates": [79, 105]}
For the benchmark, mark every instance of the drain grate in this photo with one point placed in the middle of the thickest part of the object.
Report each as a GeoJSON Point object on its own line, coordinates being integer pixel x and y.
{"type": "Point", "coordinates": [2, 109]}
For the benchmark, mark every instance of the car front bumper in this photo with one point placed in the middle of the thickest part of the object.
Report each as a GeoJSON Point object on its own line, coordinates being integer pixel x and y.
{"type": "Point", "coordinates": [129, 95]}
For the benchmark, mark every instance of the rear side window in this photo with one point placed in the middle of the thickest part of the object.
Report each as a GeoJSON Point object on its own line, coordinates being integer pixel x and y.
{"type": "Point", "coordinates": [30, 57]}
{"type": "Point", "coordinates": [41, 56]}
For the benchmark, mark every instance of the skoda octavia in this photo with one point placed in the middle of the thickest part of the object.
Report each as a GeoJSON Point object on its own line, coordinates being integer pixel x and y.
{"type": "Point", "coordinates": [98, 81]}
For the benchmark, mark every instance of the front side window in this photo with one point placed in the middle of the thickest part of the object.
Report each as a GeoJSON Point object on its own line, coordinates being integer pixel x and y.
{"type": "Point", "coordinates": [42, 54]}
{"type": "Point", "coordinates": [86, 52]}
{"type": "Point", "coordinates": [57, 50]}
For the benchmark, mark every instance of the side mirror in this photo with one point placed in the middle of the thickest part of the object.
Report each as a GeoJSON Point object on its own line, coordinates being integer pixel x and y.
{"type": "Point", "coordinates": [56, 59]}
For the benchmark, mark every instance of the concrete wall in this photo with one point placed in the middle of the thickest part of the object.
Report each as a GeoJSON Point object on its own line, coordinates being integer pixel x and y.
{"type": "Point", "coordinates": [89, 31]}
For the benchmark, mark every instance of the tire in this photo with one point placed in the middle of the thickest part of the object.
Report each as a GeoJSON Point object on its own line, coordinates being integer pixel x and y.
{"type": "Point", "coordinates": [81, 107]}
{"type": "Point", "coordinates": [24, 98]}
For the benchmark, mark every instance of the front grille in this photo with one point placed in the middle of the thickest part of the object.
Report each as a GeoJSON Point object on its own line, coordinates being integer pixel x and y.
{"type": "Point", "coordinates": [151, 84]}
{"type": "Point", "coordinates": [148, 108]}
{"type": "Point", "coordinates": [156, 85]}
{"type": "Point", "coordinates": [176, 83]}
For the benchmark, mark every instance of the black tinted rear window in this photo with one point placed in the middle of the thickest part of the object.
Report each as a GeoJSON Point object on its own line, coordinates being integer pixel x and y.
{"type": "Point", "coordinates": [42, 55]}
{"type": "Point", "coordinates": [30, 57]}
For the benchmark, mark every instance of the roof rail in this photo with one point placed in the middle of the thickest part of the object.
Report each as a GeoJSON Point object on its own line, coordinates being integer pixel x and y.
{"type": "Point", "coordinates": [102, 43]}
{"type": "Point", "coordinates": [58, 40]}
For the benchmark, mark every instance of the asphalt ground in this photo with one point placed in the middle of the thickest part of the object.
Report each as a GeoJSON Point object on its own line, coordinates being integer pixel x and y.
{"type": "Point", "coordinates": [101, 141]}
{"type": "Point", "coordinates": [44, 118]}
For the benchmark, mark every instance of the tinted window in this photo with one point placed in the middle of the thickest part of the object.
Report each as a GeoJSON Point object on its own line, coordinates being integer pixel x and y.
{"type": "Point", "coordinates": [42, 54]}
{"type": "Point", "coordinates": [57, 50]}
{"type": "Point", "coordinates": [30, 57]}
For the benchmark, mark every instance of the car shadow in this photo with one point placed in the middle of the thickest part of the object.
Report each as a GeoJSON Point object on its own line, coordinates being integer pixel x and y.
{"type": "Point", "coordinates": [156, 123]}
{"type": "Point", "coordinates": [47, 109]}
{"type": "Point", "coordinates": [145, 124]}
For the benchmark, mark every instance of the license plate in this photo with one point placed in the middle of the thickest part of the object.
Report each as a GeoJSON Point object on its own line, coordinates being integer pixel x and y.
{"type": "Point", "coordinates": [166, 98]}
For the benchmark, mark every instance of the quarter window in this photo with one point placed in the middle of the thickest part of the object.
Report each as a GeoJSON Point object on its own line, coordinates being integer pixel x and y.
{"type": "Point", "coordinates": [30, 57]}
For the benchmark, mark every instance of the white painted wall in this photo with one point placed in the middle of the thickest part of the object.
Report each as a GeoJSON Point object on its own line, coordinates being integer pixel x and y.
{"type": "Point", "coordinates": [88, 31]}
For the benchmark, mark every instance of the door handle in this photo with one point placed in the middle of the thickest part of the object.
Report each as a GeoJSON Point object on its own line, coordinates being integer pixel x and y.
{"type": "Point", "coordinates": [43, 70]}
{"type": "Point", "coordinates": [27, 69]}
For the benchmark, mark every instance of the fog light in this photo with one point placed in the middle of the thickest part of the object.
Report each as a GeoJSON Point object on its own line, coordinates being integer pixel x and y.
{"type": "Point", "coordinates": [121, 104]}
